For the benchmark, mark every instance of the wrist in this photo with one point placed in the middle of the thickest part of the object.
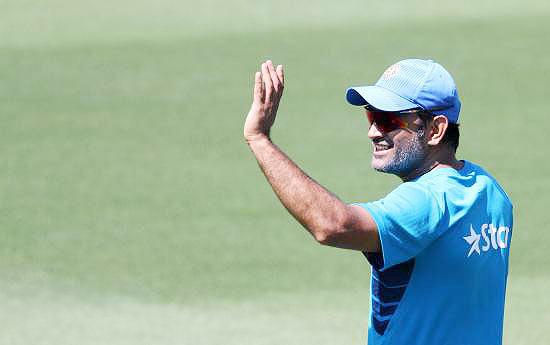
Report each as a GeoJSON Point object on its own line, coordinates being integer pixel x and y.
{"type": "Point", "coordinates": [257, 139]}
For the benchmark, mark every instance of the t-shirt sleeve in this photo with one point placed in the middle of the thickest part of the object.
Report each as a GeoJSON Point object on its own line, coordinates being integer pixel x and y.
{"type": "Point", "coordinates": [408, 220]}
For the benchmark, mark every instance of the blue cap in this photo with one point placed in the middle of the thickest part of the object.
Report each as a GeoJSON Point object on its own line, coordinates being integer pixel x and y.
{"type": "Point", "coordinates": [411, 84]}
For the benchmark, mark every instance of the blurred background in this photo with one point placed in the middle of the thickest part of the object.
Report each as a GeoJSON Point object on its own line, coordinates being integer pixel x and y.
{"type": "Point", "coordinates": [132, 211]}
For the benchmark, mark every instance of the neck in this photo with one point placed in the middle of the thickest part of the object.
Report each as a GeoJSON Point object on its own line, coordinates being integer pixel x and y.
{"type": "Point", "coordinates": [434, 161]}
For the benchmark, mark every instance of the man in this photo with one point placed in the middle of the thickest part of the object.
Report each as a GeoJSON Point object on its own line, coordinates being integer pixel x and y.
{"type": "Point", "coordinates": [439, 243]}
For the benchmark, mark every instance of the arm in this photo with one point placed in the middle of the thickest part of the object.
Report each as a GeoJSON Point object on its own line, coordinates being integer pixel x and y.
{"type": "Point", "coordinates": [331, 221]}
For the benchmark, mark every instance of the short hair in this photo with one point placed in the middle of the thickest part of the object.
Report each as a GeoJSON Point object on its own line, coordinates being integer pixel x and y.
{"type": "Point", "coordinates": [452, 134]}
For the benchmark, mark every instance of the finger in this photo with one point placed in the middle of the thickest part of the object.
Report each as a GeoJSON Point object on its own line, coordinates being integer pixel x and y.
{"type": "Point", "coordinates": [258, 87]}
{"type": "Point", "coordinates": [266, 77]}
{"type": "Point", "coordinates": [273, 75]}
{"type": "Point", "coordinates": [281, 74]}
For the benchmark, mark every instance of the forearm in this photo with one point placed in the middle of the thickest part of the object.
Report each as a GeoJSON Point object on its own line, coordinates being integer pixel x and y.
{"type": "Point", "coordinates": [326, 217]}
{"type": "Point", "coordinates": [317, 209]}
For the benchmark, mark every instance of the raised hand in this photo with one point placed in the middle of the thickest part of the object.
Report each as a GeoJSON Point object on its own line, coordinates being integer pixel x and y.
{"type": "Point", "coordinates": [268, 90]}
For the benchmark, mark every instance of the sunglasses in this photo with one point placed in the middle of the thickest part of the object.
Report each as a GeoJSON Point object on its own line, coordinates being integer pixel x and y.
{"type": "Point", "coordinates": [387, 121]}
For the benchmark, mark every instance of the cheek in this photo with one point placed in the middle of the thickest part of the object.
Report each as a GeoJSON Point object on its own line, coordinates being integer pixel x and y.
{"type": "Point", "coordinates": [408, 142]}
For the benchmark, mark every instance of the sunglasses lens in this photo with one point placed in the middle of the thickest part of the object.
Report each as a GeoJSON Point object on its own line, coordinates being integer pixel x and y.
{"type": "Point", "coordinates": [385, 121]}
{"type": "Point", "coordinates": [370, 116]}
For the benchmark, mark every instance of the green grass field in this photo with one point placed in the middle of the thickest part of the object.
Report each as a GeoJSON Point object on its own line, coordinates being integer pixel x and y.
{"type": "Point", "coordinates": [132, 212]}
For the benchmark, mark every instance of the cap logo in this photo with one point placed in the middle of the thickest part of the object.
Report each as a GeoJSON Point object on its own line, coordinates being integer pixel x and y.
{"type": "Point", "coordinates": [391, 72]}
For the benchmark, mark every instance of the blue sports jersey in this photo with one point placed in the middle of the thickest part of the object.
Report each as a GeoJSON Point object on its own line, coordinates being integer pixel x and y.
{"type": "Point", "coordinates": [441, 276]}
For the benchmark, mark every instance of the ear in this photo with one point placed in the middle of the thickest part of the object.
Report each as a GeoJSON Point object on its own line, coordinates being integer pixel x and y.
{"type": "Point", "coordinates": [437, 128]}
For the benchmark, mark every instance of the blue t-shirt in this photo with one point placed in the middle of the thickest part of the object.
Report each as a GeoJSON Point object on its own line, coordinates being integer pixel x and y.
{"type": "Point", "coordinates": [441, 276]}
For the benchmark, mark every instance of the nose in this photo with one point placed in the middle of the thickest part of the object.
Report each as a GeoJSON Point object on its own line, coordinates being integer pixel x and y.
{"type": "Point", "coordinates": [374, 132]}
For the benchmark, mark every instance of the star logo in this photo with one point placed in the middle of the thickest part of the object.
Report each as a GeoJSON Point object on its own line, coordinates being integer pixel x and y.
{"type": "Point", "coordinates": [391, 72]}
{"type": "Point", "coordinates": [473, 240]}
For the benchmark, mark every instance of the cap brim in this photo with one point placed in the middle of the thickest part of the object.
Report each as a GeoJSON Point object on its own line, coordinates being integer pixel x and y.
{"type": "Point", "coordinates": [379, 98]}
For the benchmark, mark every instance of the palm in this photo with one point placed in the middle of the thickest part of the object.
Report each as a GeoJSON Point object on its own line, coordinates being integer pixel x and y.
{"type": "Point", "coordinates": [268, 90]}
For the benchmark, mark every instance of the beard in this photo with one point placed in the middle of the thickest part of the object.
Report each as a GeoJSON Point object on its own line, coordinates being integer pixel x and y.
{"type": "Point", "coordinates": [406, 158]}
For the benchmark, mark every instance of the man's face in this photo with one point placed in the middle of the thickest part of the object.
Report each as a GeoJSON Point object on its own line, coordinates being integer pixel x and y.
{"type": "Point", "coordinates": [400, 151]}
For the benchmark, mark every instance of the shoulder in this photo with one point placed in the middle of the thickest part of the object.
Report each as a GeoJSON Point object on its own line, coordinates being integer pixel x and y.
{"type": "Point", "coordinates": [489, 180]}
{"type": "Point", "coordinates": [420, 191]}
{"type": "Point", "coordinates": [413, 199]}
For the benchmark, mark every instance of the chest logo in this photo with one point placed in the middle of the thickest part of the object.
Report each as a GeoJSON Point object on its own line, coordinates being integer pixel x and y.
{"type": "Point", "coordinates": [493, 238]}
